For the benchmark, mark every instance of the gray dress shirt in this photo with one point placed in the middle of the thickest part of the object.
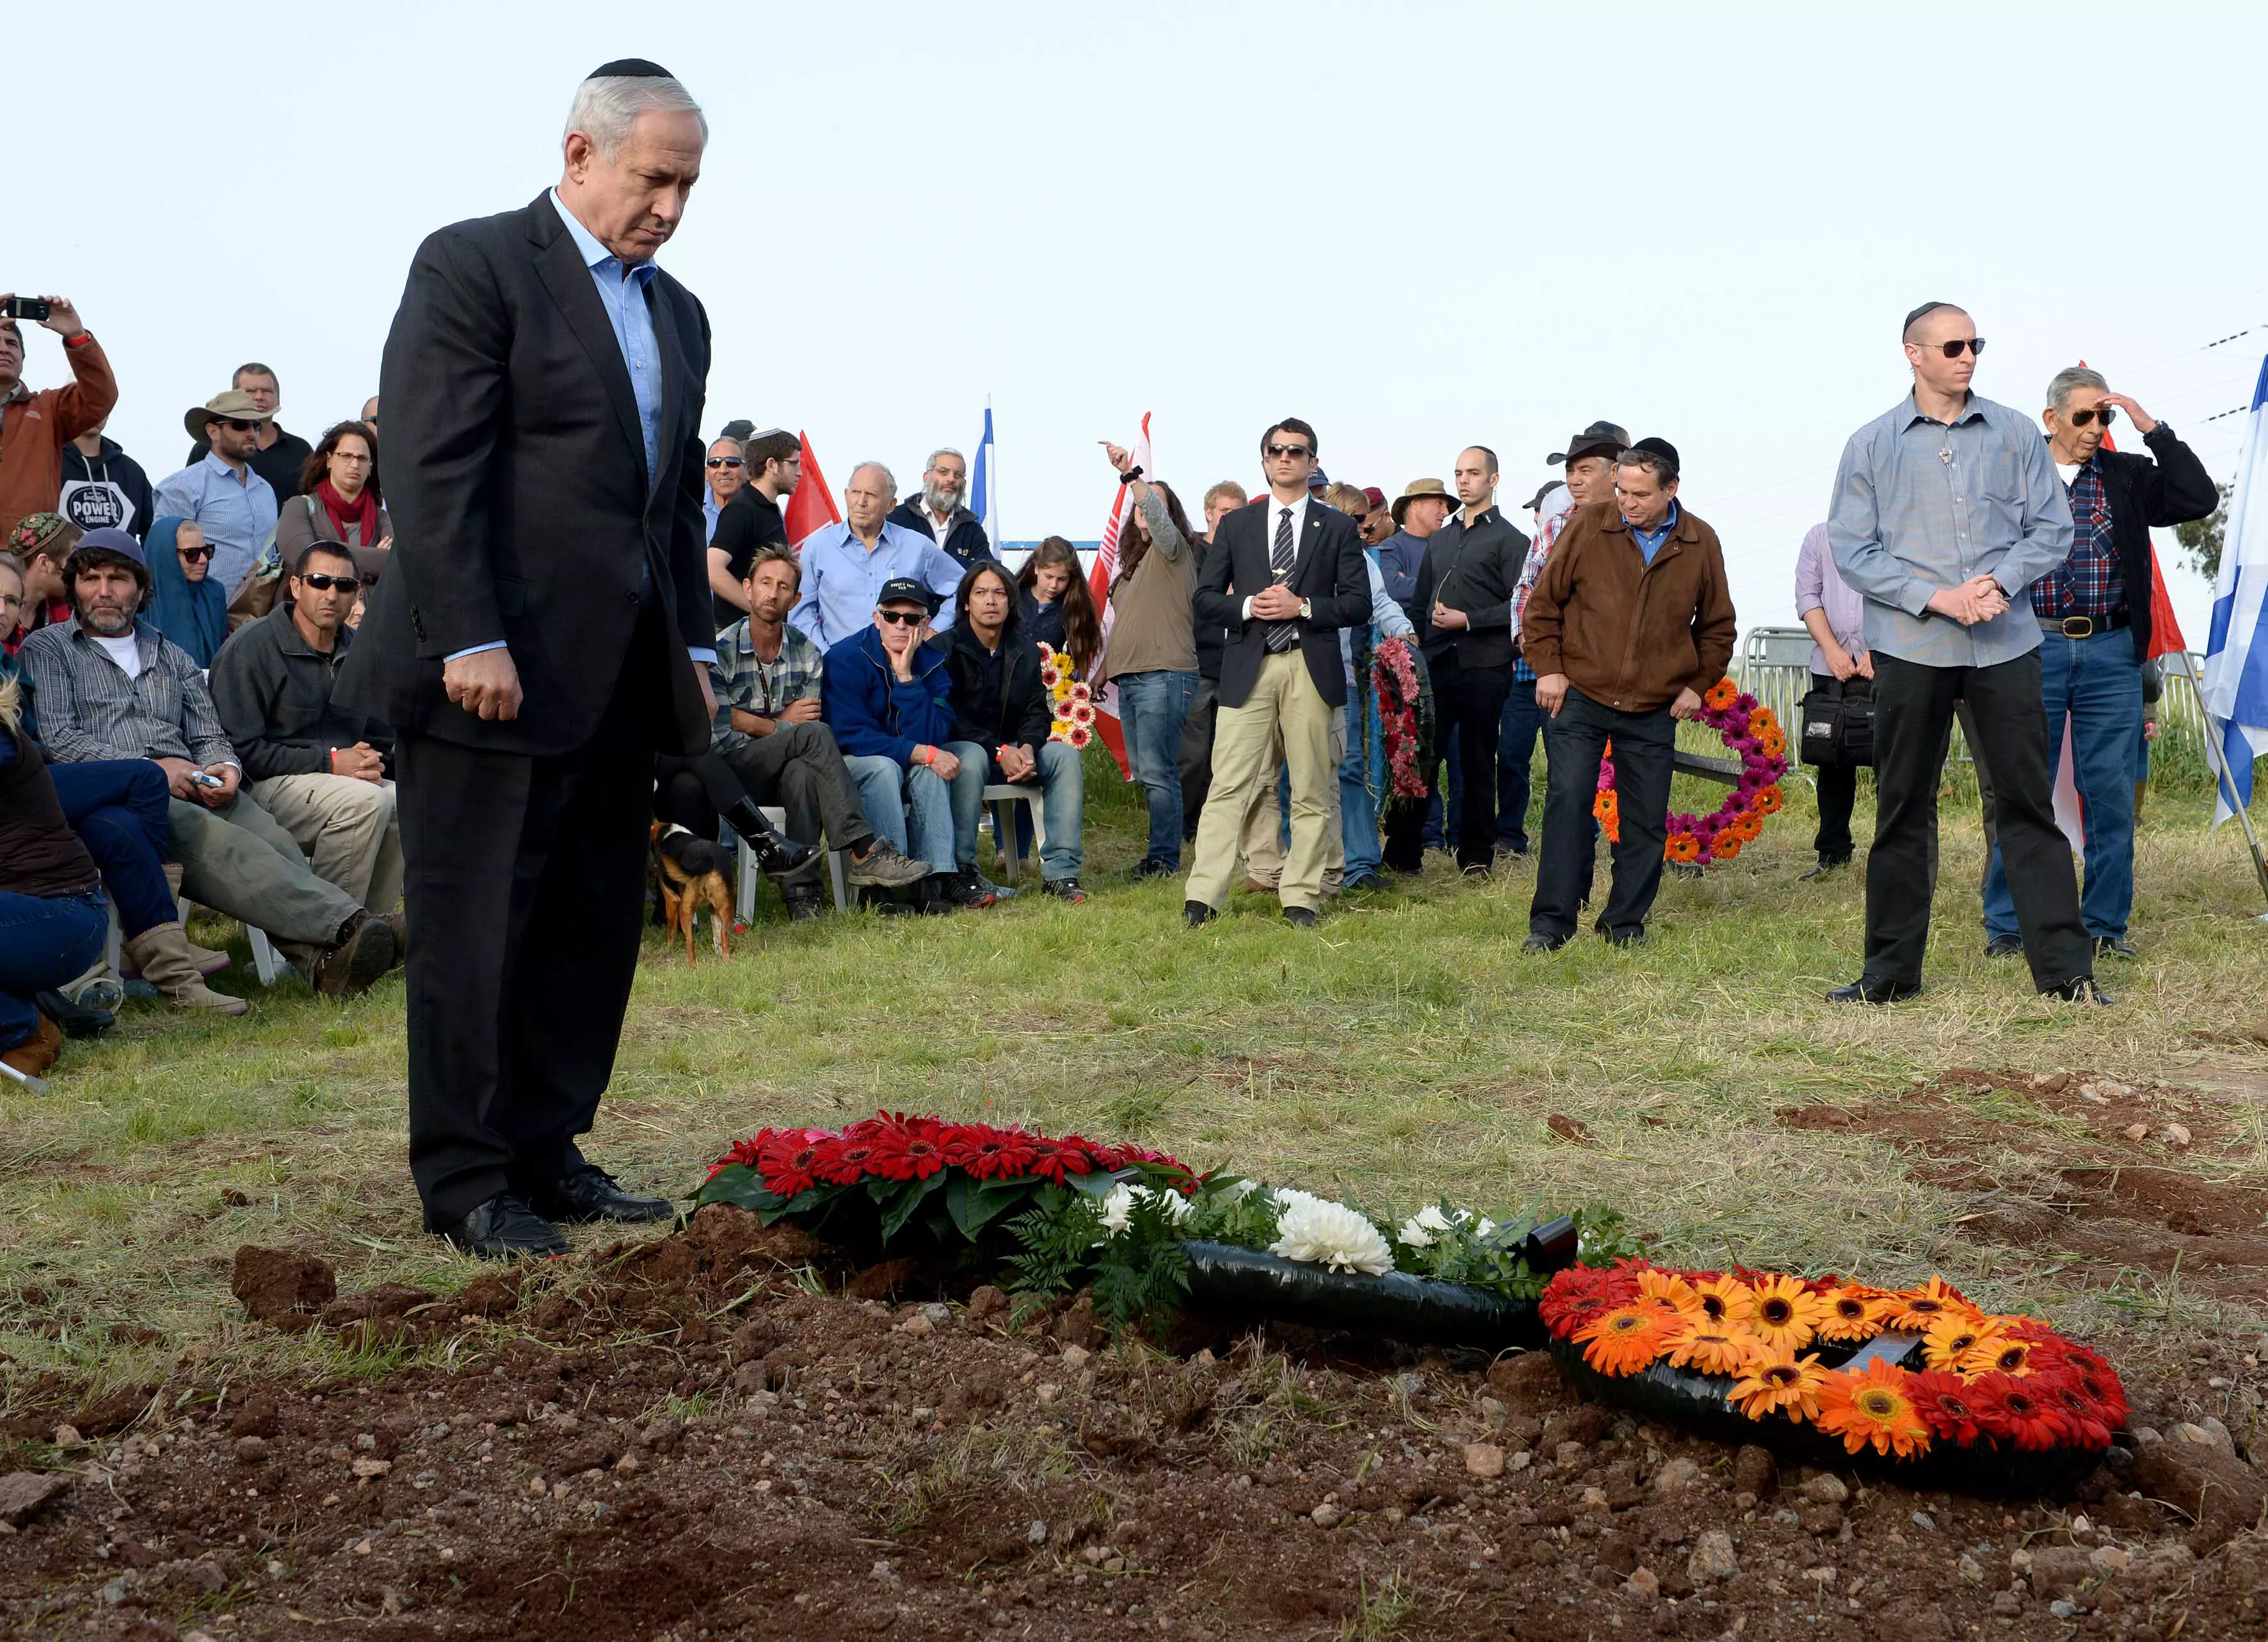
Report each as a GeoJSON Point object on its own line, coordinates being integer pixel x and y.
{"type": "Point", "coordinates": [1920, 506]}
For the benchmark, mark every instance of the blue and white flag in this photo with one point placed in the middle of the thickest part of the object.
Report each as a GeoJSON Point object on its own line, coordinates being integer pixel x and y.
{"type": "Point", "coordinates": [981, 499]}
{"type": "Point", "coordinates": [2236, 656]}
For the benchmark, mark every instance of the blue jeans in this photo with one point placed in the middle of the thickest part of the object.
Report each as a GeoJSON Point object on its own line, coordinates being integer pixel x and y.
{"type": "Point", "coordinates": [1362, 769]}
{"type": "Point", "coordinates": [118, 808]}
{"type": "Point", "coordinates": [44, 942]}
{"type": "Point", "coordinates": [1152, 707]}
{"type": "Point", "coordinates": [1515, 751]}
{"type": "Point", "coordinates": [2098, 682]}
{"type": "Point", "coordinates": [887, 788]}
{"type": "Point", "coordinates": [1063, 796]}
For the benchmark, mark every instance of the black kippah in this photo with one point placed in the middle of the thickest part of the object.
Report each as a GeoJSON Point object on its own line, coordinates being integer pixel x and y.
{"type": "Point", "coordinates": [1922, 312]}
{"type": "Point", "coordinates": [631, 68]}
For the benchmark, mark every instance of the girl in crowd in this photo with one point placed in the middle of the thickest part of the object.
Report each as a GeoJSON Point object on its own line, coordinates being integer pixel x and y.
{"type": "Point", "coordinates": [1054, 606]}
{"type": "Point", "coordinates": [186, 604]}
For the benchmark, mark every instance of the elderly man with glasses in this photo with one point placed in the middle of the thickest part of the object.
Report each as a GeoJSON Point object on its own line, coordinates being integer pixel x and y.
{"type": "Point", "coordinates": [1946, 510]}
{"type": "Point", "coordinates": [230, 502]}
{"type": "Point", "coordinates": [725, 467]}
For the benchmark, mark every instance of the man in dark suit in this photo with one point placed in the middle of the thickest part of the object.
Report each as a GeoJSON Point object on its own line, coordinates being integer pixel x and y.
{"type": "Point", "coordinates": [1282, 577]}
{"type": "Point", "coordinates": [536, 646]}
{"type": "Point", "coordinates": [1463, 602]}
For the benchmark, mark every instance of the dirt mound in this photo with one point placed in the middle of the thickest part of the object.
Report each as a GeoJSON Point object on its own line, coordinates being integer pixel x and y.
{"type": "Point", "coordinates": [681, 1438]}
{"type": "Point", "coordinates": [282, 1285]}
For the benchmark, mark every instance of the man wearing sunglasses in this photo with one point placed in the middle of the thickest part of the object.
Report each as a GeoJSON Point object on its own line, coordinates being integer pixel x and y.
{"type": "Point", "coordinates": [726, 466]}
{"type": "Point", "coordinates": [2094, 612]}
{"type": "Point", "coordinates": [320, 768]}
{"type": "Point", "coordinates": [1946, 510]}
{"type": "Point", "coordinates": [233, 505]}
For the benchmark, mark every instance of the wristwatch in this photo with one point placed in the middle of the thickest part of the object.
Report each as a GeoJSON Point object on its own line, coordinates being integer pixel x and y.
{"type": "Point", "coordinates": [1306, 610]}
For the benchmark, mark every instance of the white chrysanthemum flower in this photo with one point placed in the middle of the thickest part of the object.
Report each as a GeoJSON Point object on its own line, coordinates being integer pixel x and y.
{"type": "Point", "coordinates": [1421, 1229]}
{"type": "Point", "coordinates": [1484, 1227]}
{"type": "Point", "coordinates": [1330, 1234]}
{"type": "Point", "coordinates": [1117, 1210]}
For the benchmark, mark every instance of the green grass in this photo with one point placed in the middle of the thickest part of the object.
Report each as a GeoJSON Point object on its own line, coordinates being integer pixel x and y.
{"type": "Point", "coordinates": [1403, 1049]}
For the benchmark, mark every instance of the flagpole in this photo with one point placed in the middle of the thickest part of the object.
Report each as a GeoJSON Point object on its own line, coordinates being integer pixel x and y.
{"type": "Point", "coordinates": [999, 531]}
{"type": "Point", "coordinates": [2224, 784]}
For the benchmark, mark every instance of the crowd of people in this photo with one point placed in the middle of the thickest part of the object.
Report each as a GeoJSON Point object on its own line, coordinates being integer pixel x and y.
{"type": "Point", "coordinates": [169, 731]}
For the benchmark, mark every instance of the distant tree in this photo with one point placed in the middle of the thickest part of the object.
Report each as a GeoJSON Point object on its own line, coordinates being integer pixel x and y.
{"type": "Point", "coordinates": [2200, 538]}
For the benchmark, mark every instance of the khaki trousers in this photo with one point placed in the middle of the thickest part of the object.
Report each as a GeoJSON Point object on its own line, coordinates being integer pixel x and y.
{"type": "Point", "coordinates": [1264, 829]}
{"type": "Point", "coordinates": [347, 827]}
{"type": "Point", "coordinates": [1285, 706]}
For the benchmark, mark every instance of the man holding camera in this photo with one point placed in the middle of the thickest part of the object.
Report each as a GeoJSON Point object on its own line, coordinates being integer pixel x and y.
{"type": "Point", "coordinates": [34, 427]}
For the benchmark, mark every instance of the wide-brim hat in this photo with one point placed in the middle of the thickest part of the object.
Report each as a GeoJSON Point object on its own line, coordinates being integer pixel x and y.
{"type": "Point", "coordinates": [1600, 436]}
{"type": "Point", "coordinates": [1417, 491]}
{"type": "Point", "coordinates": [233, 406]}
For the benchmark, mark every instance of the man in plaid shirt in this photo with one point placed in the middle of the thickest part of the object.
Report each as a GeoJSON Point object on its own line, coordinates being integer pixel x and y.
{"type": "Point", "coordinates": [768, 731]}
{"type": "Point", "coordinates": [2094, 612]}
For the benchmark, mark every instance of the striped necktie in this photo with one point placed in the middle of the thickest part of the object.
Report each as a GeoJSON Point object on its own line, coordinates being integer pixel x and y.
{"type": "Point", "coordinates": [1282, 634]}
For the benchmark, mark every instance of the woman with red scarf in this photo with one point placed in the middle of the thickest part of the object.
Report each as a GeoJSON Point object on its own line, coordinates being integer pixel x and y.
{"type": "Point", "coordinates": [340, 505]}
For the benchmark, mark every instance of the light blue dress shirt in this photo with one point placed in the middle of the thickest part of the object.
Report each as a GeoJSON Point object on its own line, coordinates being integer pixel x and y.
{"type": "Point", "coordinates": [622, 293]}
{"type": "Point", "coordinates": [237, 515]}
{"type": "Point", "coordinates": [1388, 616]}
{"type": "Point", "coordinates": [1649, 542]}
{"type": "Point", "coordinates": [1920, 506]}
{"type": "Point", "coordinates": [842, 579]}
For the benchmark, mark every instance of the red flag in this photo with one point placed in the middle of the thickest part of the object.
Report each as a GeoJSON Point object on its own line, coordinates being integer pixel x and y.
{"type": "Point", "coordinates": [1098, 581]}
{"type": "Point", "coordinates": [2165, 630]}
{"type": "Point", "coordinates": [809, 506]}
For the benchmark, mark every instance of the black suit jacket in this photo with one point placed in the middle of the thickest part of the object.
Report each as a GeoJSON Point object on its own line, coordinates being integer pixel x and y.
{"type": "Point", "coordinates": [2172, 490]}
{"type": "Point", "coordinates": [1327, 571]}
{"type": "Point", "coordinates": [515, 475]}
{"type": "Point", "coordinates": [1471, 565]}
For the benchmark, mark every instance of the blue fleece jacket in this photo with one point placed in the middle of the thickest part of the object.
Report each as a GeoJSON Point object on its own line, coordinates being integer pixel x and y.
{"type": "Point", "coordinates": [874, 715]}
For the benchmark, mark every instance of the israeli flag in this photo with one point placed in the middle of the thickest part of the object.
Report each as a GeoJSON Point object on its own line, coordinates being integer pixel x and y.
{"type": "Point", "coordinates": [2236, 656]}
{"type": "Point", "coordinates": [981, 499]}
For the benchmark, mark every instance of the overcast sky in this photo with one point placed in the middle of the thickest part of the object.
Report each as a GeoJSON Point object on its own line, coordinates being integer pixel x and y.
{"type": "Point", "coordinates": [1416, 225]}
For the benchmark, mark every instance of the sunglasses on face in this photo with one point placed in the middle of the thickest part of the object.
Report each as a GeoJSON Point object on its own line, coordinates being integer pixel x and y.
{"type": "Point", "coordinates": [236, 424]}
{"type": "Point", "coordinates": [910, 618]}
{"type": "Point", "coordinates": [2108, 412]}
{"type": "Point", "coordinates": [1287, 449]}
{"type": "Point", "coordinates": [192, 553]}
{"type": "Point", "coordinates": [323, 583]}
{"type": "Point", "coordinates": [726, 461]}
{"type": "Point", "coordinates": [1952, 349]}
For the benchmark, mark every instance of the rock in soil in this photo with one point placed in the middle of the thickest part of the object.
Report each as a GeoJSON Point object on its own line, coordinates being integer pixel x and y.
{"type": "Point", "coordinates": [1756, 1471]}
{"type": "Point", "coordinates": [22, 1493]}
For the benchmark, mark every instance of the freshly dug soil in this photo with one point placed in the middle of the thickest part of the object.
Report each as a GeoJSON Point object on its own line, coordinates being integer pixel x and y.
{"type": "Point", "coordinates": [683, 1439]}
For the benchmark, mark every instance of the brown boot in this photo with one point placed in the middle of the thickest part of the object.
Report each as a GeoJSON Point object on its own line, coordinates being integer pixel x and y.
{"type": "Point", "coordinates": [208, 960]}
{"type": "Point", "coordinates": [162, 954]}
{"type": "Point", "coordinates": [35, 1054]}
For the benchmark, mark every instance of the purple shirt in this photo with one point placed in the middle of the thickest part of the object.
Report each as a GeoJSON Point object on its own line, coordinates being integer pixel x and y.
{"type": "Point", "coordinates": [1819, 586]}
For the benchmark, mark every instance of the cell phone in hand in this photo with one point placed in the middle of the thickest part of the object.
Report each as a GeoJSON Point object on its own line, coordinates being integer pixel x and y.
{"type": "Point", "coordinates": [200, 778]}
{"type": "Point", "coordinates": [25, 308]}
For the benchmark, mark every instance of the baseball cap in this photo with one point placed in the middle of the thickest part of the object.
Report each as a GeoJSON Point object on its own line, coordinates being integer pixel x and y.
{"type": "Point", "coordinates": [1600, 436]}
{"type": "Point", "coordinates": [903, 590]}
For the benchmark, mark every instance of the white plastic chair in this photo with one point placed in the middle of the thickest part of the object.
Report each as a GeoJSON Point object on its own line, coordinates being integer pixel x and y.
{"type": "Point", "coordinates": [267, 963]}
{"type": "Point", "coordinates": [1003, 797]}
{"type": "Point", "coordinates": [749, 872]}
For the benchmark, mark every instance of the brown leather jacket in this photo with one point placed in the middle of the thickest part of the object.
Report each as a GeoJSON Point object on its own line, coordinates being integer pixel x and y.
{"type": "Point", "coordinates": [1628, 634]}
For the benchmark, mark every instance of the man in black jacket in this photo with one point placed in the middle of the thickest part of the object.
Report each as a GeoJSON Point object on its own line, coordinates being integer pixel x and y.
{"type": "Point", "coordinates": [1282, 576]}
{"type": "Point", "coordinates": [545, 633]}
{"type": "Point", "coordinates": [938, 513]}
{"type": "Point", "coordinates": [2094, 612]}
{"type": "Point", "coordinates": [1002, 720]}
{"type": "Point", "coordinates": [1463, 604]}
{"type": "Point", "coordinates": [323, 771]}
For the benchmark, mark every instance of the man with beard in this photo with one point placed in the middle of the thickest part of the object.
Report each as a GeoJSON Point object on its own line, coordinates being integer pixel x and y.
{"type": "Point", "coordinates": [939, 514]}
{"type": "Point", "coordinates": [109, 686]}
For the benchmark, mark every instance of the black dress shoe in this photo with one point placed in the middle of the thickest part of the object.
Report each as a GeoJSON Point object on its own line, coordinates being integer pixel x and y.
{"type": "Point", "coordinates": [775, 855]}
{"type": "Point", "coordinates": [2004, 947]}
{"type": "Point", "coordinates": [1194, 913]}
{"type": "Point", "coordinates": [2081, 991]}
{"type": "Point", "coordinates": [78, 1020]}
{"type": "Point", "coordinates": [2115, 946]}
{"type": "Point", "coordinates": [1827, 863]}
{"type": "Point", "coordinates": [1629, 936]}
{"type": "Point", "coordinates": [1299, 917]}
{"type": "Point", "coordinates": [1544, 943]}
{"type": "Point", "coordinates": [505, 1228]}
{"type": "Point", "coordinates": [589, 1194]}
{"type": "Point", "coordinates": [1863, 990]}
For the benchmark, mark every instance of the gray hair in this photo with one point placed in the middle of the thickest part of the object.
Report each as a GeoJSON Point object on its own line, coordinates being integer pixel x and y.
{"type": "Point", "coordinates": [945, 450]}
{"type": "Point", "coordinates": [888, 478]}
{"type": "Point", "coordinates": [1663, 469]}
{"type": "Point", "coordinates": [2070, 376]}
{"type": "Point", "coordinates": [605, 109]}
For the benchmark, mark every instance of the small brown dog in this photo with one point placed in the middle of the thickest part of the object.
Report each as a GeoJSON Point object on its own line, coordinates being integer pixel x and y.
{"type": "Point", "coordinates": [688, 870]}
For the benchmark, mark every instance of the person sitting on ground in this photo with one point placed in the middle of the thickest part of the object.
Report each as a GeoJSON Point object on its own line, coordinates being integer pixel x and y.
{"type": "Point", "coordinates": [40, 545]}
{"type": "Point", "coordinates": [186, 604]}
{"type": "Point", "coordinates": [117, 808]}
{"type": "Point", "coordinates": [323, 771]}
{"type": "Point", "coordinates": [342, 501]}
{"type": "Point", "coordinates": [1055, 607]}
{"type": "Point", "coordinates": [887, 696]}
{"type": "Point", "coordinates": [1002, 719]}
{"type": "Point", "coordinates": [768, 736]}
{"type": "Point", "coordinates": [53, 917]}
{"type": "Point", "coordinates": [108, 685]}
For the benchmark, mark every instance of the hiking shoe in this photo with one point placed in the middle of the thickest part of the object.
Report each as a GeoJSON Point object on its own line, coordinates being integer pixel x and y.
{"type": "Point", "coordinates": [1154, 866]}
{"type": "Point", "coordinates": [365, 952]}
{"type": "Point", "coordinates": [884, 866]}
{"type": "Point", "coordinates": [1064, 889]}
{"type": "Point", "coordinates": [398, 924]}
{"type": "Point", "coordinates": [947, 890]}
